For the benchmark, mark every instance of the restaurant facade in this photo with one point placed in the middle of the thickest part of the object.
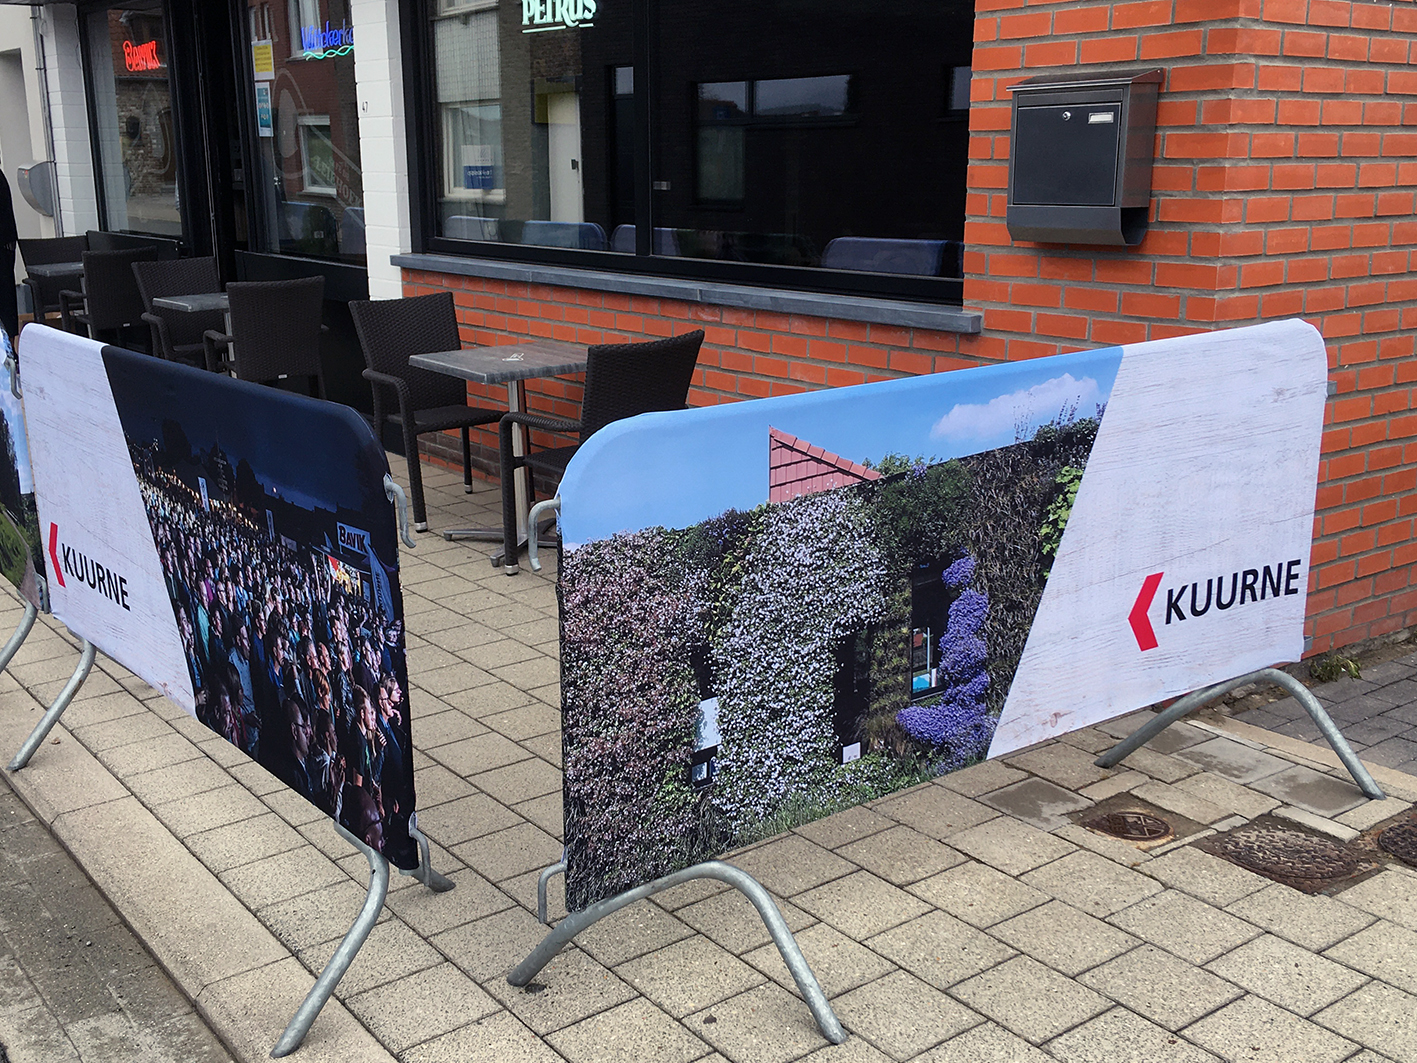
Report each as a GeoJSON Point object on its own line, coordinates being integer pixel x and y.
{"type": "Point", "coordinates": [822, 185]}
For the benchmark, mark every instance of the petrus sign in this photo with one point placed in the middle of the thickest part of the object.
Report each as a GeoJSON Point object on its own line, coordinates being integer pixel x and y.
{"type": "Point", "coordinates": [539, 16]}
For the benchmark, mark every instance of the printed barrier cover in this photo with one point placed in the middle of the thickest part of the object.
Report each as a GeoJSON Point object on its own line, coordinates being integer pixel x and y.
{"type": "Point", "coordinates": [21, 553]}
{"type": "Point", "coordinates": [773, 610]}
{"type": "Point", "coordinates": [232, 545]}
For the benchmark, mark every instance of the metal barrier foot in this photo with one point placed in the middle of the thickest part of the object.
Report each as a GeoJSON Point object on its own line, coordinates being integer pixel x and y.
{"type": "Point", "coordinates": [424, 872]}
{"type": "Point", "coordinates": [51, 717]}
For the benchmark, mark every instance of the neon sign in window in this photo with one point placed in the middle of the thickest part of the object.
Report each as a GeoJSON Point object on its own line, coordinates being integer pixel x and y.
{"type": "Point", "coordinates": [140, 57]}
{"type": "Point", "coordinates": [327, 43]}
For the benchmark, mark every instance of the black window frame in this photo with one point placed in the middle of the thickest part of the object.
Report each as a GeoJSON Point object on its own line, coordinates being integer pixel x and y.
{"type": "Point", "coordinates": [424, 166]}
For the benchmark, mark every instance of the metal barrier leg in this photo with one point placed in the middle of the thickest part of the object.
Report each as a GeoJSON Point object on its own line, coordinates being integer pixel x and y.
{"type": "Point", "coordinates": [324, 986]}
{"type": "Point", "coordinates": [1195, 700]}
{"type": "Point", "coordinates": [18, 638]}
{"type": "Point", "coordinates": [802, 974]}
{"type": "Point", "coordinates": [542, 882]}
{"type": "Point", "coordinates": [51, 717]}
{"type": "Point", "coordinates": [424, 872]}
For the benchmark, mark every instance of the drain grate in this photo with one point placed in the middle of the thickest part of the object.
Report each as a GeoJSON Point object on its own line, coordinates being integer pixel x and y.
{"type": "Point", "coordinates": [1401, 842]}
{"type": "Point", "coordinates": [1297, 859]}
{"type": "Point", "coordinates": [1131, 826]}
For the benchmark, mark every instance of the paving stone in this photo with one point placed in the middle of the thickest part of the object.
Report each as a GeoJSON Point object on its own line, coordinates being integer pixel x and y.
{"type": "Point", "coordinates": [766, 1024]}
{"type": "Point", "coordinates": [1064, 938]}
{"type": "Point", "coordinates": [902, 1015]}
{"type": "Point", "coordinates": [1377, 1016]}
{"type": "Point", "coordinates": [422, 1006]}
{"type": "Point", "coordinates": [449, 726]}
{"type": "Point", "coordinates": [1208, 878]}
{"type": "Point", "coordinates": [1118, 1036]}
{"type": "Point", "coordinates": [978, 895]}
{"type": "Point", "coordinates": [1233, 761]}
{"type": "Point", "coordinates": [839, 963]}
{"type": "Point", "coordinates": [510, 852]}
{"type": "Point", "coordinates": [934, 810]}
{"type": "Point", "coordinates": [1159, 766]}
{"type": "Point", "coordinates": [244, 842]}
{"type": "Point", "coordinates": [390, 952]}
{"type": "Point", "coordinates": [1089, 740]}
{"type": "Point", "coordinates": [901, 855]}
{"type": "Point", "coordinates": [1182, 925]}
{"type": "Point", "coordinates": [1182, 802]}
{"type": "Point", "coordinates": [1124, 726]}
{"type": "Point", "coordinates": [1312, 922]}
{"type": "Point", "coordinates": [466, 818]}
{"type": "Point", "coordinates": [1313, 791]}
{"type": "Point", "coordinates": [844, 828]}
{"type": "Point", "coordinates": [1255, 1031]}
{"type": "Point", "coordinates": [1385, 951]}
{"type": "Point", "coordinates": [1114, 849]}
{"type": "Point", "coordinates": [1162, 987]}
{"type": "Point", "coordinates": [940, 949]}
{"type": "Point", "coordinates": [981, 778]}
{"type": "Point", "coordinates": [1031, 1000]}
{"type": "Point", "coordinates": [854, 1050]}
{"type": "Point", "coordinates": [1331, 827]}
{"type": "Point", "coordinates": [630, 932]}
{"type": "Point", "coordinates": [1178, 736]}
{"type": "Point", "coordinates": [316, 916]}
{"type": "Point", "coordinates": [480, 753]}
{"type": "Point", "coordinates": [1231, 796]}
{"type": "Point", "coordinates": [1391, 752]}
{"type": "Point", "coordinates": [1286, 975]}
{"type": "Point", "coordinates": [215, 808]}
{"type": "Point", "coordinates": [488, 948]}
{"type": "Point", "coordinates": [1371, 813]}
{"type": "Point", "coordinates": [1092, 883]}
{"type": "Point", "coordinates": [1062, 764]}
{"type": "Point", "coordinates": [522, 781]}
{"type": "Point", "coordinates": [790, 864]}
{"type": "Point", "coordinates": [1390, 894]}
{"type": "Point", "coordinates": [1010, 846]}
{"type": "Point", "coordinates": [526, 721]}
{"type": "Point", "coordinates": [499, 1038]}
{"type": "Point", "coordinates": [570, 988]}
{"type": "Point", "coordinates": [1375, 729]}
{"type": "Point", "coordinates": [690, 975]}
{"type": "Point", "coordinates": [1117, 784]}
{"type": "Point", "coordinates": [284, 875]}
{"type": "Point", "coordinates": [730, 919]}
{"type": "Point", "coordinates": [630, 1032]}
{"type": "Point", "coordinates": [986, 1042]}
{"type": "Point", "coordinates": [1037, 802]}
{"type": "Point", "coordinates": [546, 812]}
{"type": "Point", "coordinates": [860, 904]}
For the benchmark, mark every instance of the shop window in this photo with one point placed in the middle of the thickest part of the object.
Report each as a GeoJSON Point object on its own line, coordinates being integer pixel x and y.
{"type": "Point", "coordinates": [317, 151]}
{"type": "Point", "coordinates": [304, 15]}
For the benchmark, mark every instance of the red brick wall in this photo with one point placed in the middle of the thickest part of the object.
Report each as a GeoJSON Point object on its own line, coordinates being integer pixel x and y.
{"type": "Point", "coordinates": [1284, 185]}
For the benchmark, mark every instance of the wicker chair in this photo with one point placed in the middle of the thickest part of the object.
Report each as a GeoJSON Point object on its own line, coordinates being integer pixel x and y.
{"type": "Point", "coordinates": [390, 331]}
{"type": "Point", "coordinates": [110, 299]}
{"type": "Point", "coordinates": [275, 331]}
{"type": "Point", "coordinates": [178, 336]}
{"type": "Point", "coordinates": [621, 380]}
{"type": "Point", "coordinates": [44, 291]}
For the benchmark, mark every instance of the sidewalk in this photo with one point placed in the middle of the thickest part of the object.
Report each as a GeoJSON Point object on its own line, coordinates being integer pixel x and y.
{"type": "Point", "coordinates": [971, 918]}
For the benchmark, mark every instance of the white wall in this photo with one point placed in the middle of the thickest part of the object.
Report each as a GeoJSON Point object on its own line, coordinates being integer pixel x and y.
{"type": "Point", "coordinates": [73, 153]}
{"type": "Point", "coordinates": [22, 139]}
{"type": "Point", "coordinates": [383, 144]}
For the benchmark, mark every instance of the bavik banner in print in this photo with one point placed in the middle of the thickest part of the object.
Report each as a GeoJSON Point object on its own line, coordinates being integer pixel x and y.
{"type": "Point", "coordinates": [232, 545]}
{"type": "Point", "coordinates": [21, 555]}
{"type": "Point", "coordinates": [773, 610]}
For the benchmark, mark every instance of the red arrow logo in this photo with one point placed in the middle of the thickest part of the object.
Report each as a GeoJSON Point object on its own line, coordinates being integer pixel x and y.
{"type": "Point", "coordinates": [54, 552]}
{"type": "Point", "coordinates": [1141, 625]}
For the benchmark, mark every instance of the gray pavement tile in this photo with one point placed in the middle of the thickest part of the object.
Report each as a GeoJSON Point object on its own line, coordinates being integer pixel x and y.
{"type": "Point", "coordinates": [430, 913]}
{"type": "Point", "coordinates": [860, 904]}
{"type": "Point", "coordinates": [1390, 894]}
{"type": "Point", "coordinates": [940, 949]}
{"type": "Point", "coordinates": [286, 803]}
{"type": "Point", "coordinates": [481, 702]}
{"type": "Point", "coordinates": [1233, 761]}
{"type": "Point", "coordinates": [766, 1024]}
{"type": "Point", "coordinates": [531, 675]}
{"type": "Point", "coordinates": [730, 919]}
{"type": "Point", "coordinates": [315, 916]}
{"type": "Point", "coordinates": [1384, 950]}
{"type": "Point", "coordinates": [791, 864]}
{"type": "Point", "coordinates": [838, 963]}
{"type": "Point", "coordinates": [1037, 802]}
{"type": "Point", "coordinates": [1159, 766]}
{"type": "Point", "coordinates": [1182, 802]}
{"type": "Point", "coordinates": [1287, 975]}
{"type": "Point", "coordinates": [1313, 922]}
{"type": "Point", "coordinates": [421, 1006]}
{"type": "Point", "coordinates": [1117, 784]}
{"type": "Point", "coordinates": [1010, 846]}
{"type": "Point", "coordinates": [1376, 729]}
{"type": "Point", "coordinates": [509, 852]}
{"type": "Point", "coordinates": [243, 842]}
{"type": "Point", "coordinates": [461, 636]}
{"type": "Point", "coordinates": [254, 777]}
{"type": "Point", "coordinates": [900, 855]}
{"type": "Point", "coordinates": [1304, 729]}
{"type": "Point", "coordinates": [169, 783]}
{"type": "Point", "coordinates": [490, 655]}
{"type": "Point", "coordinates": [465, 818]}
{"type": "Point", "coordinates": [1088, 739]}
{"type": "Point", "coordinates": [34, 1034]}
{"type": "Point", "coordinates": [1162, 987]}
{"type": "Point", "coordinates": [1378, 1017]}
{"type": "Point", "coordinates": [441, 682]}
{"type": "Point", "coordinates": [451, 725]}
{"type": "Point", "coordinates": [1371, 813]}
{"type": "Point", "coordinates": [1177, 737]}
{"type": "Point", "coordinates": [391, 951]}
{"type": "Point", "coordinates": [845, 828]}
{"type": "Point", "coordinates": [522, 781]}
{"type": "Point", "coordinates": [436, 785]}
{"type": "Point", "coordinates": [1407, 713]}
{"type": "Point", "coordinates": [1391, 752]}
{"type": "Point", "coordinates": [1313, 791]}
{"type": "Point", "coordinates": [690, 975]}
{"type": "Point", "coordinates": [978, 895]}
{"type": "Point", "coordinates": [488, 948]}
{"type": "Point", "coordinates": [628, 1033]}
{"type": "Point", "coordinates": [1118, 1036]}
{"type": "Point", "coordinates": [1067, 940]}
{"type": "Point", "coordinates": [499, 1038]}
{"type": "Point", "coordinates": [1060, 763]}
{"type": "Point", "coordinates": [480, 753]}
{"type": "Point", "coordinates": [1230, 796]}
{"type": "Point", "coordinates": [631, 932]}
{"type": "Point", "coordinates": [547, 812]}
{"type": "Point", "coordinates": [214, 808]}
{"type": "Point", "coordinates": [934, 810]}
{"type": "Point", "coordinates": [855, 1050]}
{"type": "Point", "coordinates": [281, 876]}
{"type": "Point", "coordinates": [986, 1042]}
{"type": "Point", "coordinates": [902, 1015]}
{"type": "Point", "coordinates": [547, 747]}
{"type": "Point", "coordinates": [142, 727]}
{"type": "Point", "coordinates": [1205, 877]}
{"type": "Point", "coordinates": [1255, 1031]}
{"type": "Point", "coordinates": [525, 721]}
{"type": "Point", "coordinates": [1029, 999]}
{"type": "Point", "coordinates": [691, 892]}
{"type": "Point", "coordinates": [1184, 926]}
{"type": "Point", "coordinates": [1104, 845]}
{"type": "Point", "coordinates": [1092, 883]}
{"type": "Point", "coordinates": [981, 778]}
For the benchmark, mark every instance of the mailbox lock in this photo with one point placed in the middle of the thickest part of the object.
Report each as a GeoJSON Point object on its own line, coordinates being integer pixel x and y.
{"type": "Point", "coordinates": [1067, 116]}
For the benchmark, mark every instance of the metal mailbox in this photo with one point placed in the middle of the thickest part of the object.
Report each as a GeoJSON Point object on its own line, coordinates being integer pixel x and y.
{"type": "Point", "coordinates": [1080, 157]}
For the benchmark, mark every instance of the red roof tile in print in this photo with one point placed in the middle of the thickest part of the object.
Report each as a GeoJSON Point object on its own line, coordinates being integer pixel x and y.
{"type": "Point", "coordinates": [797, 468]}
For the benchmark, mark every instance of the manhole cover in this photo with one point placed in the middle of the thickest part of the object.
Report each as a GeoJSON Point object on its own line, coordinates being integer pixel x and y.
{"type": "Point", "coordinates": [1132, 826]}
{"type": "Point", "coordinates": [1401, 841]}
{"type": "Point", "coordinates": [1287, 854]}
